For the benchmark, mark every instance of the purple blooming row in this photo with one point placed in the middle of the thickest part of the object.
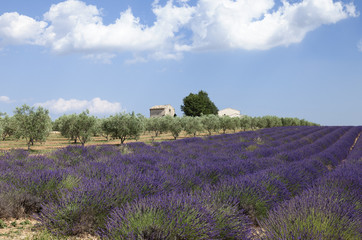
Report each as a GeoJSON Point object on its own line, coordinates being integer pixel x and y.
{"type": "Point", "coordinates": [330, 209]}
{"type": "Point", "coordinates": [196, 188]}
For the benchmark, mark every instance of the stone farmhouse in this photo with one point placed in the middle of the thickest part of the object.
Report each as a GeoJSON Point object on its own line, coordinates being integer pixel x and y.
{"type": "Point", "coordinates": [162, 110]}
{"type": "Point", "coordinates": [229, 112]}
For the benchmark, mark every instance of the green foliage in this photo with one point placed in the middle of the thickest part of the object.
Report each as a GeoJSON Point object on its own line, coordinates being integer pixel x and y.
{"type": "Point", "coordinates": [165, 123]}
{"type": "Point", "coordinates": [57, 124]}
{"type": "Point", "coordinates": [210, 123]}
{"type": "Point", "coordinates": [228, 123]}
{"type": "Point", "coordinates": [255, 207]}
{"type": "Point", "coordinates": [261, 122]}
{"type": "Point", "coordinates": [198, 104]}
{"type": "Point", "coordinates": [192, 125]}
{"type": "Point", "coordinates": [97, 129]}
{"type": "Point", "coordinates": [123, 126]}
{"type": "Point", "coordinates": [175, 126]}
{"type": "Point", "coordinates": [32, 124]}
{"type": "Point", "coordinates": [1, 124]}
{"type": "Point", "coordinates": [154, 125]}
{"type": "Point", "coordinates": [85, 125]}
{"type": "Point", "coordinates": [141, 222]}
{"type": "Point", "coordinates": [273, 121]}
{"type": "Point", "coordinates": [106, 127]}
{"type": "Point", "coordinates": [66, 124]}
{"type": "Point", "coordinates": [168, 222]}
{"type": "Point", "coordinates": [46, 235]}
{"type": "Point", "coordinates": [245, 122]}
{"type": "Point", "coordinates": [77, 126]}
{"type": "Point", "coordinates": [2, 224]}
{"type": "Point", "coordinates": [26, 222]}
{"type": "Point", "coordinates": [70, 182]}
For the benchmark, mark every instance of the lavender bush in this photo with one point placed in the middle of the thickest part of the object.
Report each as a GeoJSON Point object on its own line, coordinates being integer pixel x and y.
{"type": "Point", "coordinates": [328, 210]}
{"type": "Point", "coordinates": [218, 187]}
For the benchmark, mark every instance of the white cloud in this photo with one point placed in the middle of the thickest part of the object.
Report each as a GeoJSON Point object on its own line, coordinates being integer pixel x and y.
{"type": "Point", "coordinates": [74, 26]}
{"type": "Point", "coordinates": [249, 24]}
{"type": "Point", "coordinates": [4, 99]}
{"type": "Point", "coordinates": [95, 106]}
{"type": "Point", "coordinates": [359, 45]}
{"type": "Point", "coordinates": [20, 29]}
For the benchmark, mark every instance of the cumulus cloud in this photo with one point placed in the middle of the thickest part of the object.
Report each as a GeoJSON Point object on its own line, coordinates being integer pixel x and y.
{"type": "Point", "coordinates": [95, 106]}
{"type": "Point", "coordinates": [75, 26]}
{"type": "Point", "coordinates": [20, 29]}
{"type": "Point", "coordinates": [4, 99]}
{"type": "Point", "coordinates": [249, 24]}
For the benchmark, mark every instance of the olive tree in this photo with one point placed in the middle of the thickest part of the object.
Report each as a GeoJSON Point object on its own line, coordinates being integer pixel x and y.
{"type": "Point", "coordinates": [85, 125]}
{"type": "Point", "coordinates": [1, 124]}
{"type": "Point", "coordinates": [245, 122]}
{"type": "Point", "coordinates": [123, 126]}
{"type": "Point", "coordinates": [67, 127]}
{"type": "Point", "coordinates": [106, 127]}
{"type": "Point", "coordinates": [32, 124]}
{"type": "Point", "coordinates": [175, 126]}
{"type": "Point", "coordinates": [210, 123]}
{"type": "Point", "coordinates": [153, 124]}
{"type": "Point", "coordinates": [77, 127]}
{"type": "Point", "coordinates": [235, 123]}
{"type": "Point", "coordinates": [192, 125]}
{"type": "Point", "coordinates": [273, 121]}
{"type": "Point", "coordinates": [228, 123]}
{"type": "Point", "coordinates": [97, 129]}
{"type": "Point", "coordinates": [7, 126]}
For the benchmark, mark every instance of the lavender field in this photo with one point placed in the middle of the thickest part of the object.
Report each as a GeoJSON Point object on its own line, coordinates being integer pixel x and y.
{"type": "Point", "coordinates": [276, 183]}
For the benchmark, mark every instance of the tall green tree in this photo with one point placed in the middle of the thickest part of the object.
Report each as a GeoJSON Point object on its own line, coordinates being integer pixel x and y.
{"type": "Point", "coordinates": [198, 104]}
{"type": "Point", "coordinates": [32, 124]}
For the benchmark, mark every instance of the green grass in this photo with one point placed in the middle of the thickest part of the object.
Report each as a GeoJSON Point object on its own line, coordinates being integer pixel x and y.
{"type": "Point", "coordinates": [2, 224]}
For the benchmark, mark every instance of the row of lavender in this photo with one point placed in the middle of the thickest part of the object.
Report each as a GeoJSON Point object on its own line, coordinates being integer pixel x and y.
{"type": "Point", "coordinates": [329, 209]}
{"type": "Point", "coordinates": [214, 188]}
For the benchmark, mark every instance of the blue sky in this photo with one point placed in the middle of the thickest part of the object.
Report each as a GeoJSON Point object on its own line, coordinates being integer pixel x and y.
{"type": "Point", "coordinates": [296, 58]}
